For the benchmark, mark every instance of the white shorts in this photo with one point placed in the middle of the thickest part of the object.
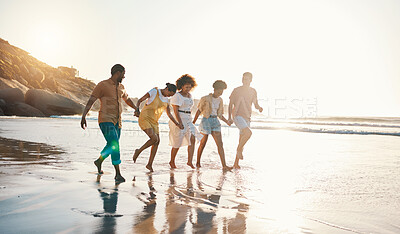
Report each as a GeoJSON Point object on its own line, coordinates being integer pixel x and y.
{"type": "Point", "coordinates": [241, 123]}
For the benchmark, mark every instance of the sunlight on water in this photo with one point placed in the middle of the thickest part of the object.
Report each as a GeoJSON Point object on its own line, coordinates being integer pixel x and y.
{"type": "Point", "coordinates": [290, 182]}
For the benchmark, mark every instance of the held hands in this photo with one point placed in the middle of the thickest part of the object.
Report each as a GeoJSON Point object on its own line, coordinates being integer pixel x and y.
{"type": "Point", "coordinates": [83, 123]}
{"type": "Point", "coordinates": [137, 112]}
{"type": "Point", "coordinates": [260, 109]}
{"type": "Point", "coordinates": [229, 122]}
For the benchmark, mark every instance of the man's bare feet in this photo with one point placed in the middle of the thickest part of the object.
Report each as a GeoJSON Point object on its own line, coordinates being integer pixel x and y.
{"type": "Point", "coordinates": [98, 162]}
{"type": "Point", "coordinates": [226, 168]}
{"type": "Point", "coordinates": [172, 165]}
{"type": "Point", "coordinates": [119, 179]}
{"type": "Point", "coordinates": [150, 168]}
{"type": "Point", "coordinates": [190, 165]}
{"type": "Point", "coordinates": [236, 166]}
{"type": "Point", "coordinates": [135, 155]}
{"type": "Point", "coordinates": [198, 165]}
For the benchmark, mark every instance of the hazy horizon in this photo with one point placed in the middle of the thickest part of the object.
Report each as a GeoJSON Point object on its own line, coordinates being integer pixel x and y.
{"type": "Point", "coordinates": [345, 55]}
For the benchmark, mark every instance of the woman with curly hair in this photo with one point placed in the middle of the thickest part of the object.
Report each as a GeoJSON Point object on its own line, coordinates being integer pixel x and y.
{"type": "Point", "coordinates": [182, 103]}
{"type": "Point", "coordinates": [212, 108]}
{"type": "Point", "coordinates": [157, 102]}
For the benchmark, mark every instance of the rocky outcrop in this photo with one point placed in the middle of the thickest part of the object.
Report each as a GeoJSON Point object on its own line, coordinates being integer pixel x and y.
{"type": "Point", "coordinates": [64, 93]}
{"type": "Point", "coordinates": [12, 95]}
{"type": "Point", "coordinates": [22, 109]}
{"type": "Point", "coordinates": [2, 106]}
{"type": "Point", "coordinates": [52, 103]}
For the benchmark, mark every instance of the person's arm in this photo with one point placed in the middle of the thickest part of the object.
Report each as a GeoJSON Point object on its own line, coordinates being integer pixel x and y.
{"type": "Point", "coordinates": [258, 107]}
{"type": "Point", "coordinates": [177, 115]}
{"type": "Point", "coordinates": [89, 105]}
{"type": "Point", "coordinates": [230, 110]}
{"type": "Point", "coordinates": [229, 122]}
{"type": "Point", "coordinates": [196, 116]}
{"type": "Point", "coordinates": [137, 111]}
{"type": "Point", "coordinates": [180, 125]}
{"type": "Point", "coordinates": [130, 103]}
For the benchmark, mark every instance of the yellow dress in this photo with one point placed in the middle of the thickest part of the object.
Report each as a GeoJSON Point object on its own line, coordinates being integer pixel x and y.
{"type": "Point", "coordinates": [151, 113]}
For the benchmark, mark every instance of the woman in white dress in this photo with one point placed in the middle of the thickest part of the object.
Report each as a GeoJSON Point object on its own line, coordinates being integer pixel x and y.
{"type": "Point", "coordinates": [182, 103]}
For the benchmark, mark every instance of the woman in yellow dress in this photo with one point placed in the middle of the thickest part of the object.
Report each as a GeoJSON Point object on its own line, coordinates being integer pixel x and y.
{"type": "Point", "coordinates": [157, 102]}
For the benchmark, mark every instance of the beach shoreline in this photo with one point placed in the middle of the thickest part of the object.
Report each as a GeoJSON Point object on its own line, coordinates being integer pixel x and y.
{"type": "Point", "coordinates": [297, 189]}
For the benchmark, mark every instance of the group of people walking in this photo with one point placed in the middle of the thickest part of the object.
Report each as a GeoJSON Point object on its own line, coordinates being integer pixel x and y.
{"type": "Point", "coordinates": [183, 131]}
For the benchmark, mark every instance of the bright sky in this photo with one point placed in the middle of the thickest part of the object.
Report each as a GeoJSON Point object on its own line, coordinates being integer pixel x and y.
{"type": "Point", "coordinates": [344, 53]}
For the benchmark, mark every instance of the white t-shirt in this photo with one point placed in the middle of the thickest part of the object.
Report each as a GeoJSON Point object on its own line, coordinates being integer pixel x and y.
{"type": "Point", "coordinates": [184, 103]}
{"type": "Point", "coordinates": [215, 105]}
{"type": "Point", "coordinates": [153, 94]}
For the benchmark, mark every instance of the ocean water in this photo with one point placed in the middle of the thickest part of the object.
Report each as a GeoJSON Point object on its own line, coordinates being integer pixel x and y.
{"type": "Point", "coordinates": [317, 175]}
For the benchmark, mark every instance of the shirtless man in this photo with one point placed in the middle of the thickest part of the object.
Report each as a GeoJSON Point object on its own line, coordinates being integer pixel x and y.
{"type": "Point", "coordinates": [240, 108]}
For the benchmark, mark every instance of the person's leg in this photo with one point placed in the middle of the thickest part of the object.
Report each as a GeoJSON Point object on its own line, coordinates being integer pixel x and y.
{"type": "Point", "coordinates": [110, 135]}
{"type": "Point", "coordinates": [153, 139]}
{"type": "Point", "coordinates": [98, 163]}
{"type": "Point", "coordinates": [203, 143]}
{"type": "Point", "coordinates": [118, 177]}
{"type": "Point", "coordinates": [218, 140]}
{"type": "Point", "coordinates": [174, 151]}
{"type": "Point", "coordinates": [115, 156]}
{"type": "Point", "coordinates": [153, 152]}
{"type": "Point", "coordinates": [191, 151]}
{"type": "Point", "coordinates": [244, 136]}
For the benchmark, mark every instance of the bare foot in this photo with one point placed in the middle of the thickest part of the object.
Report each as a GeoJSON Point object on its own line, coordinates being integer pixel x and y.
{"type": "Point", "coordinates": [98, 165]}
{"type": "Point", "coordinates": [172, 165]}
{"type": "Point", "coordinates": [236, 166]}
{"type": "Point", "coordinates": [190, 165]}
{"type": "Point", "coordinates": [135, 155]}
{"type": "Point", "coordinates": [239, 154]}
{"type": "Point", "coordinates": [226, 168]}
{"type": "Point", "coordinates": [119, 179]}
{"type": "Point", "coordinates": [198, 165]}
{"type": "Point", "coordinates": [150, 168]}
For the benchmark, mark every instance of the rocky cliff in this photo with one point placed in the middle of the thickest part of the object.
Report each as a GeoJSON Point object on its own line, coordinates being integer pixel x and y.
{"type": "Point", "coordinates": [24, 74]}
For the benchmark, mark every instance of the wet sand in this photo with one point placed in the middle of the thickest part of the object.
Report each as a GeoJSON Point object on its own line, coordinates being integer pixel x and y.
{"type": "Point", "coordinates": [48, 184]}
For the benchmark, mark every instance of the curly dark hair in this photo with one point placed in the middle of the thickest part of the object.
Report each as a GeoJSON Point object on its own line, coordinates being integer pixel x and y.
{"type": "Point", "coordinates": [219, 84]}
{"type": "Point", "coordinates": [185, 79]}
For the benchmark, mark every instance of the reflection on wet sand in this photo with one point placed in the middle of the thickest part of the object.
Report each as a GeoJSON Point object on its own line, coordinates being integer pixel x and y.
{"type": "Point", "coordinates": [144, 223]}
{"type": "Point", "coordinates": [190, 205]}
{"type": "Point", "coordinates": [24, 151]}
{"type": "Point", "coordinates": [192, 209]}
{"type": "Point", "coordinates": [110, 200]}
{"type": "Point", "coordinates": [175, 211]}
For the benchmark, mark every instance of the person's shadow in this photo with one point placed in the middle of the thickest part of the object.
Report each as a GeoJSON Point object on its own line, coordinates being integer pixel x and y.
{"type": "Point", "coordinates": [144, 223]}
{"type": "Point", "coordinates": [110, 200]}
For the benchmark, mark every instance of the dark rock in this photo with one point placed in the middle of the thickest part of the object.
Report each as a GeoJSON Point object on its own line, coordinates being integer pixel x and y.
{"type": "Point", "coordinates": [2, 103]}
{"type": "Point", "coordinates": [52, 103]}
{"type": "Point", "coordinates": [12, 95]}
{"type": "Point", "coordinates": [1, 111]}
{"type": "Point", "coordinates": [22, 109]}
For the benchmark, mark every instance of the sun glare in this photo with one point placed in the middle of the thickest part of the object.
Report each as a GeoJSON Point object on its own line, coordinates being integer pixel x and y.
{"type": "Point", "coordinates": [48, 42]}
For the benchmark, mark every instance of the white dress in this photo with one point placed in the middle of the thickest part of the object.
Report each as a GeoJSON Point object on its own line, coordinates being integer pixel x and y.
{"type": "Point", "coordinates": [181, 137]}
